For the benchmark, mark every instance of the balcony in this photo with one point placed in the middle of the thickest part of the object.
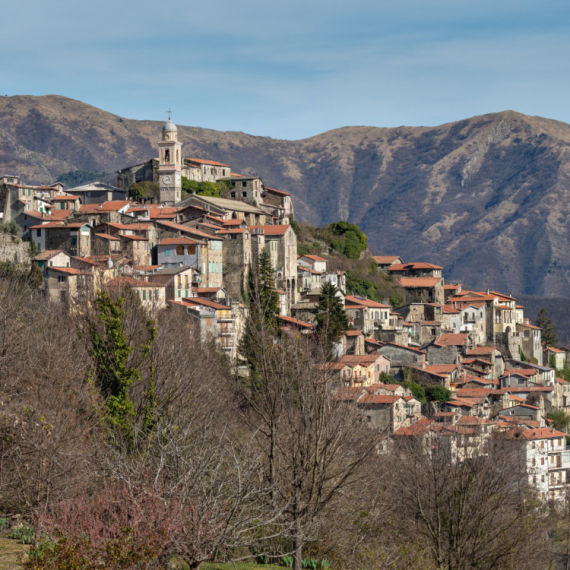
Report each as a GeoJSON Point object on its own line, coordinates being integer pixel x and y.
{"type": "Point", "coordinates": [229, 319]}
{"type": "Point", "coordinates": [226, 332]}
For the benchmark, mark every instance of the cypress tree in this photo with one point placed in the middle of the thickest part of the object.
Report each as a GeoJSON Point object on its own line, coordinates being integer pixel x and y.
{"type": "Point", "coordinates": [548, 335]}
{"type": "Point", "coordinates": [331, 316]}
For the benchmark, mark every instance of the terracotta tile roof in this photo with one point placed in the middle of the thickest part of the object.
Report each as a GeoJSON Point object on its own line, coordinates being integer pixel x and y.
{"type": "Point", "coordinates": [348, 394]}
{"type": "Point", "coordinates": [529, 326]}
{"type": "Point", "coordinates": [296, 322]}
{"type": "Point", "coordinates": [353, 333]}
{"type": "Point", "coordinates": [69, 270]}
{"type": "Point", "coordinates": [186, 229]}
{"type": "Point", "coordinates": [406, 347]}
{"type": "Point", "coordinates": [277, 191]}
{"type": "Point", "coordinates": [134, 238]}
{"type": "Point", "coordinates": [60, 225]}
{"type": "Point", "coordinates": [139, 226]}
{"type": "Point", "coordinates": [502, 296]}
{"type": "Point", "coordinates": [444, 415]}
{"type": "Point", "coordinates": [522, 390]}
{"type": "Point", "coordinates": [107, 237]}
{"type": "Point", "coordinates": [233, 222]}
{"type": "Point", "coordinates": [561, 381]}
{"type": "Point", "coordinates": [374, 341]}
{"type": "Point", "coordinates": [379, 386]}
{"type": "Point", "coordinates": [385, 259]}
{"type": "Point", "coordinates": [419, 281]}
{"type": "Point", "coordinates": [421, 427]}
{"type": "Point", "coordinates": [481, 350]}
{"type": "Point", "coordinates": [451, 339]}
{"type": "Point", "coordinates": [232, 231]}
{"type": "Point", "coordinates": [360, 359]}
{"type": "Point", "coordinates": [206, 303]}
{"type": "Point", "coordinates": [552, 349]}
{"type": "Point", "coordinates": [313, 257]}
{"type": "Point", "coordinates": [204, 161]}
{"type": "Point", "coordinates": [357, 300]}
{"type": "Point", "coordinates": [60, 214]}
{"type": "Point", "coordinates": [207, 289]}
{"type": "Point", "coordinates": [473, 421]}
{"type": "Point", "coordinates": [103, 259]}
{"type": "Point", "coordinates": [146, 267]}
{"type": "Point", "coordinates": [414, 265]}
{"type": "Point", "coordinates": [473, 392]}
{"type": "Point", "coordinates": [449, 310]}
{"type": "Point", "coordinates": [64, 198]}
{"type": "Point", "coordinates": [271, 230]}
{"type": "Point", "coordinates": [516, 398]}
{"type": "Point", "coordinates": [378, 399]}
{"type": "Point", "coordinates": [452, 286]}
{"type": "Point", "coordinates": [47, 254]}
{"type": "Point", "coordinates": [520, 372]}
{"type": "Point", "coordinates": [460, 403]}
{"type": "Point", "coordinates": [543, 433]}
{"type": "Point", "coordinates": [332, 366]}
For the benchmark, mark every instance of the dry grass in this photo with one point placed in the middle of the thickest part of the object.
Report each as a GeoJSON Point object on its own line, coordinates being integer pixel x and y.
{"type": "Point", "coordinates": [10, 550]}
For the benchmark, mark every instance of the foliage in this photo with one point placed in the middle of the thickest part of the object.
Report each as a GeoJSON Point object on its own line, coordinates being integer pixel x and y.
{"type": "Point", "coordinates": [386, 378]}
{"type": "Point", "coordinates": [560, 419]}
{"type": "Point", "coordinates": [522, 355]}
{"type": "Point", "coordinates": [4, 523]}
{"type": "Point", "coordinates": [296, 227]}
{"type": "Point", "coordinates": [33, 249]}
{"type": "Point", "coordinates": [10, 227]}
{"type": "Point", "coordinates": [79, 177]}
{"type": "Point", "coordinates": [110, 351]}
{"type": "Point", "coordinates": [24, 533]}
{"type": "Point", "coordinates": [438, 393]}
{"type": "Point", "coordinates": [35, 276]}
{"type": "Point", "coordinates": [144, 189]}
{"type": "Point", "coordinates": [331, 317]}
{"type": "Point", "coordinates": [350, 240]}
{"type": "Point", "coordinates": [419, 392]}
{"type": "Point", "coordinates": [203, 188]}
{"type": "Point", "coordinates": [396, 300]}
{"type": "Point", "coordinates": [548, 334]}
{"type": "Point", "coordinates": [566, 371]}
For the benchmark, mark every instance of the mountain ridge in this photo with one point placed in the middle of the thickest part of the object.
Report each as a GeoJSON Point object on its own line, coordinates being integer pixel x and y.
{"type": "Point", "coordinates": [486, 197]}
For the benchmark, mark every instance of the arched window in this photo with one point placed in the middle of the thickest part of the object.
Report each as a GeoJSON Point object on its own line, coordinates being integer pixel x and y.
{"type": "Point", "coordinates": [167, 156]}
{"type": "Point", "coordinates": [191, 250]}
{"type": "Point", "coordinates": [179, 250]}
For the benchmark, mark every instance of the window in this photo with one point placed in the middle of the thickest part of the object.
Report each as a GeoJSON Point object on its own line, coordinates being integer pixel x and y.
{"type": "Point", "coordinates": [542, 444]}
{"type": "Point", "coordinates": [542, 460]}
{"type": "Point", "coordinates": [244, 194]}
{"type": "Point", "coordinates": [533, 462]}
{"type": "Point", "coordinates": [191, 250]}
{"type": "Point", "coordinates": [233, 194]}
{"type": "Point", "coordinates": [156, 294]}
{"type": "Point", "coordinates": [144, 294]}
{"type": "Point", "coordinates": [368, 418]}
{"type": "Point", "coordinates": [533, 444]}
{"type": "Point", "coordinates": [244, 184]}
{"type": "Point", "coordinates": [179, 250]}
{"type": "Point", "coordinates": [167, 252]}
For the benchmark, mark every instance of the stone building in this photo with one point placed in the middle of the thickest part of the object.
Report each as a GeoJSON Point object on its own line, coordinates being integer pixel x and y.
{"type": "Point", "coordinates": [170, 165]}
{"type": "Point", "coordinates": [236, 260]}
{"type": "Point", "coordinates": [76, 238]}
{"type": "Point", "coordinates": [280, 242]}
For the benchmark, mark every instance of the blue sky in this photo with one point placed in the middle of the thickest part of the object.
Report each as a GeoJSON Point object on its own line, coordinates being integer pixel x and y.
{"type": "Point", "coordinates": [296, 68]}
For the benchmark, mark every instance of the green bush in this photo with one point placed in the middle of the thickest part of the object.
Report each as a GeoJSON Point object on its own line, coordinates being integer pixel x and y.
{"type": "Point", "coordinates": [25, 534]}
{"type": "Point", "coordinates": [4, 524]}
{"type": "Point", "coordinates": [438, 393]}
{"type": "Point", "coordinates": [349, 241]}
{"type": "Point", "coordinates": [286, 561]}
{"type": "Point", "coordinates": [9, 227]}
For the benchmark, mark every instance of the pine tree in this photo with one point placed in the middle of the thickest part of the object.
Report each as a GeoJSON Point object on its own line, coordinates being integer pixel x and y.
{"type": "Point", "coordinates": [548, 335]}
{"type": "Point", "coordinates": [331, 316]}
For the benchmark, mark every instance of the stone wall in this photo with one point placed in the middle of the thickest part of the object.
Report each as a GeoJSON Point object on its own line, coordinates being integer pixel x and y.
{"type": "Point", "coordinates": [13, 249]}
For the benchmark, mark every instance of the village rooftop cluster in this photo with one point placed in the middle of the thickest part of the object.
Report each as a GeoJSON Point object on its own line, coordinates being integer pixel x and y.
{"type": "Point", "coordinates": [194, 255]}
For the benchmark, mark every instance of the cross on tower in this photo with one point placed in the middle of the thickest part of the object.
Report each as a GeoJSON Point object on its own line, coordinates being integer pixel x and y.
{"type": "Point", "coordinates": [169, 113]}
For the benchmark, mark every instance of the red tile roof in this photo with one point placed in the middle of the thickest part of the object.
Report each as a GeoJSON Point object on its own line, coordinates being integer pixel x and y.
{"type": "Point", "coordinates": [206, 303]}
{"type": "Point", "coordinates": [271, 230]}
{"type": "Point", "coordinates": [277, 191]}
{"type": "Point", "coordinates": [47, 254]}
{"type": "Point", "coordinates": [385, 259]}
{"type": "Point", "coordinates": [356, 300]}
{"type": "Point", "coordinates": [451, 339]}
{"type": "Point", "coordinates": [232, 231]}
{"type": "Point", "coordinates": [69, 270]}
{"type": "Point", "coordinates": [295, 322]}
{"type": "Point", "coordinates": [406, 347]}
{"type": "Point", "coordinates": [313, 257]}
{"type": "Point", "coordinates": [186, 229]}
{"type": "Point", "coordinates": [442, 368]}
{"type": "Point", "coordinates": [204, 161]}
{"type": "Point", "coordinates": [378, 399]}
{"type": "Point", "coordinates": [63, 198]}
{"type": "Point", "coordinates": [412, 282]}
{"type": "Point", "coordinates": [353, 333]}
{"type": "Point", "coordinates": [108, 237]}
{"type": "Point", "coordinates": [348, 394]}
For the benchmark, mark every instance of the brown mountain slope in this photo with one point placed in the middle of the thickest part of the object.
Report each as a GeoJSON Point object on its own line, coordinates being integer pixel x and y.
{"type": "Point", "coordinates": [487, 197]}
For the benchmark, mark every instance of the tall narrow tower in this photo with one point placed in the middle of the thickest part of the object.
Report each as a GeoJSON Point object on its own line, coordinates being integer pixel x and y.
{"type": "Point", "coordinates": [170, 164]}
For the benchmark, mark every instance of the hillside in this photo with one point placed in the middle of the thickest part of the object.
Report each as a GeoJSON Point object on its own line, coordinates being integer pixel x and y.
{"type": "Point", "coordinates": [487, 197]}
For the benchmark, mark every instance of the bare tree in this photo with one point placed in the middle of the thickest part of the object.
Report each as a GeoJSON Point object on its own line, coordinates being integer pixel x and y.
{"type": "Point", "coordinates": [466, 501]}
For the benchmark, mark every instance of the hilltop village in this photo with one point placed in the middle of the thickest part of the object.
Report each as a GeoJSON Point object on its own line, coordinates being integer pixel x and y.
{"type": "Point", "coordinates": [480, 364]}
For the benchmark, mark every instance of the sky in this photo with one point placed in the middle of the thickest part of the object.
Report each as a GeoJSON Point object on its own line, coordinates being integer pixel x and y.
{"type": "Point", "coordinates": [292, 69]}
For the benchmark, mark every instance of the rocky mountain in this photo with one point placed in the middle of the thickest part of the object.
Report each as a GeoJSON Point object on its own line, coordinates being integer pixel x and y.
{"type": "Point", "coordinates": [487, 197]}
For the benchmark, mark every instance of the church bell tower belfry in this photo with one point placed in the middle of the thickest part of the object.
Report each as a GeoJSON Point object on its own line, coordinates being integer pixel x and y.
{"type": "Point", "coordinates": [170, 164]}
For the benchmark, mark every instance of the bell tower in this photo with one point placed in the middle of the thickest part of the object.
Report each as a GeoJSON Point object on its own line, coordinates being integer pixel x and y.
{"type": "Point", "coordinates": [170, 164]}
